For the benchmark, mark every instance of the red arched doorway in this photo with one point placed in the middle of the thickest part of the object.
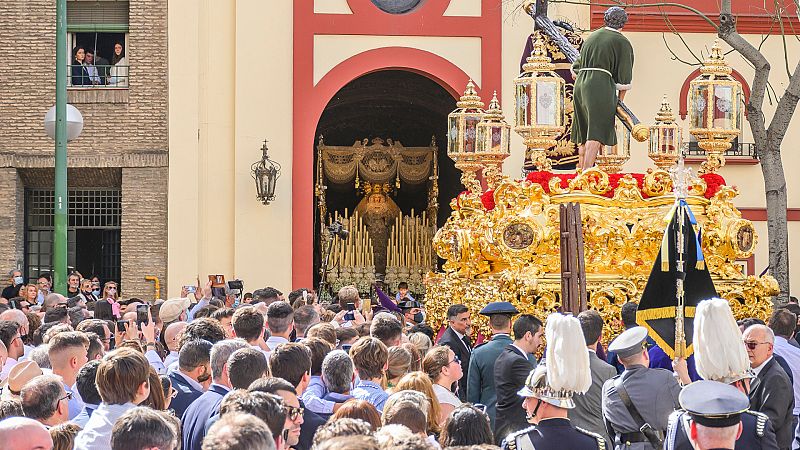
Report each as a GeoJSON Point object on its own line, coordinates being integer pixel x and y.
{"type": "Point", "coordinates": [308, 108]}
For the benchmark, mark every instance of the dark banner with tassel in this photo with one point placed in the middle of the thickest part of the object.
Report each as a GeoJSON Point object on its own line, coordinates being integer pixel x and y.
{"type": "Point", "coordinates": [679, 276]}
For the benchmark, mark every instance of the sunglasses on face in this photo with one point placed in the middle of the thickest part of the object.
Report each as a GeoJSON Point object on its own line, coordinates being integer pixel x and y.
{"type": "Point", "coordinates": [752, 345]}
{"type": "Point", "coordinates": [293, 413]}
{"type": "Point", "coordinates": [66, 397]}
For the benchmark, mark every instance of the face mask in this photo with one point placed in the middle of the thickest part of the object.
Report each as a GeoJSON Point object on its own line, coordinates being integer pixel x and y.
{"type": "Point", "coordinates": [96, 292]}
{"type": "Point", "coordinates": [18, 280]}
{"type": "Point", "coordinates": [419, 317]}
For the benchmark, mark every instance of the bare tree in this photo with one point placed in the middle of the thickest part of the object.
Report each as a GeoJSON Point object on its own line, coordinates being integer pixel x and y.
{"type": "Point", "coordinates": [768, 138]}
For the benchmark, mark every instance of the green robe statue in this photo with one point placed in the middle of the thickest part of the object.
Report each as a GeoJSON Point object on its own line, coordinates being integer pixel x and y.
{"type": "Point", "coordinates": [604, 67]}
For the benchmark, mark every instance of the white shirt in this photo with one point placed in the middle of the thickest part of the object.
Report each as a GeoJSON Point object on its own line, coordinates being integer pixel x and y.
{"type": "Point", "coordinates": [265, 352]}
{"type": "Point", "coordinates": [97, 433]}
{"type": "Point", "coordinates": [274, 341]}
{"type": "Point", "coordinates": [756, 370]}
{"type": "Point", "coordinates": [791, 354]}
{"type": "Point", "coordinates": [445, 396]}
{"type": "Point", "coordinates": [171, 357]}
{"type": "Point", "coordinates": [461, 338]}
{"type": "Point", "coordinates": [10, 363]}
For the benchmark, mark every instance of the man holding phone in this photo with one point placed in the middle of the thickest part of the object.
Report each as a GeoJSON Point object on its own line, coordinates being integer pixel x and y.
{"type": "Point", "coordinates": [350, 301]}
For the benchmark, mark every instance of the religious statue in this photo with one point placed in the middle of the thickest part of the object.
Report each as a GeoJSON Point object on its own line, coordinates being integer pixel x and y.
{"type": "Point", "coordinates": [379, 212]}
{"type": "Point", "coordinates": [604, 73]}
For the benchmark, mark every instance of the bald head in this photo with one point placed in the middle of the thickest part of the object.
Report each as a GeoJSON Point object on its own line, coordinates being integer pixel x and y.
{"type": "Point", "coordinates": [53, 299]}
{"type": "Point", "coordinates": [173, 334]}
{"type": "Point", "coordinates": [22, 433]}
{"type": "Point", "coordinates": [758, 340]}
{"type": "Point", "coordinates": [18, 316]}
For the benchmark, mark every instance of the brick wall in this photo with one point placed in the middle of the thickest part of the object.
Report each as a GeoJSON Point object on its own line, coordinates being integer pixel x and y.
{"type": "Point", "coordinates": [28, 87]}
{"type": "Point", "coordinates": [126, 130]}
{"type": "Point", "coordinates": [144, 230]}
{"type": "Point", "coordinates": [10, 231]}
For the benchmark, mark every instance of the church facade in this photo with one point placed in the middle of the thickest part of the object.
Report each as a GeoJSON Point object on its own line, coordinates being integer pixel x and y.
{"type": "Point", "coordinates": [301, 73]}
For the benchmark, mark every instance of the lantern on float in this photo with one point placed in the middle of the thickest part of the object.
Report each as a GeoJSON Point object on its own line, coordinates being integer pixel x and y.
{"type": "Point", "coordinates": [539, 112]}
{"type": "Point", "coordinates": [666, 138]}
{"type": "Point", "coordinates": [493, 135]}
{"type": "Point", "coordinates": [462, 142]}
{"type": "Point", "coordinates": [715, 112]}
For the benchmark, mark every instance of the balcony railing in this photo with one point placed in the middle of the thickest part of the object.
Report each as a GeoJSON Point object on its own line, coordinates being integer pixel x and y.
{"type": "Point", "coordinates": [746, 150]}
{"type": "Point", "coordinates": [105, 76]}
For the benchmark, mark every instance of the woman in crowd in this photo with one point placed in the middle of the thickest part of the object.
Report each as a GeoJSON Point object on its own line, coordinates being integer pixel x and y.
{"type": "Point", "coordinates": [29, 293]}
{"type": "Point", "coordinates": [399, 363]}
{"type": "Point", "coordinates": [444, 369]}
{"type": "Point", "coordinates": [421, 341]}
{"type": "Point", "coordinates": [63, 435]}
{"type": "Point", "coordinates": [119, 67]}
{"type": "Point", "coordinates": [466, 425]}
{"type": "Point", "coordinates": [416, 357]}
{"type": "Point", "coordinates": [79, 72]}
{"type": "Point", "coordinates": [418, 381]}
{"type": "Point", "coordinates": [108, 307]}
{"type": "Point", "coordinates": [359, 409]}
{"type": "Point", "coordinates": [86, 292]}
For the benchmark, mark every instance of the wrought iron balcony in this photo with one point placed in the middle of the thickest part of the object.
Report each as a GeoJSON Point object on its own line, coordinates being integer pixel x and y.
{"type": "Point", "coordinates": [744, 150]}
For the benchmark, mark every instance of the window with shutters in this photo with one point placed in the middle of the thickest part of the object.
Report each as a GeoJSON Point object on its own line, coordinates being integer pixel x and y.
{"type": "Point", "coordinates": [97, 40]}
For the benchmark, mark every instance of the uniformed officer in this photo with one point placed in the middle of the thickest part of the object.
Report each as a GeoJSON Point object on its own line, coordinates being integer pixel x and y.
{"type": "Point", "coordinates": [549, 392]}
{"type": "Point", "coordinates": [715, 411]}
{"type": "Point", "coordinates": [638, 402]}
{"type": "Point", "coordinates": [721, 358]}
{"type": "Point", "coordinates": [480, 377]}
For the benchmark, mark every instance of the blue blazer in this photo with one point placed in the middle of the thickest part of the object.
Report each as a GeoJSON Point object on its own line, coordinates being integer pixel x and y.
{"type": "Point", "coordinates": [186, 394]}
{"type": "Point", "coordinates": [194, 418]}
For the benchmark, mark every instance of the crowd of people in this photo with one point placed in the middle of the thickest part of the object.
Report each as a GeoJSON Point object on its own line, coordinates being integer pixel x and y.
{"type": "Point", "coordinates": [209, 371]}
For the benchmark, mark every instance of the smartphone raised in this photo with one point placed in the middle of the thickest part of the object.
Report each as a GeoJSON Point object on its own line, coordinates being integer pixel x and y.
{"type": "Point", "coordinates": [350, 307]}
{"type": "Point", "coordinates": [142, 314]}
{"type": "Point", "coordinates": [190, 289]}
{"type": "Point", "coordinates": [121, 326]}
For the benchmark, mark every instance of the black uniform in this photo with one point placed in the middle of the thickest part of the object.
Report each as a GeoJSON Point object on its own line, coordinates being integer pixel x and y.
{"type": "Point", "coordinates": [757, 432]}
{"type": "Point", "coordinates": [554, 433]}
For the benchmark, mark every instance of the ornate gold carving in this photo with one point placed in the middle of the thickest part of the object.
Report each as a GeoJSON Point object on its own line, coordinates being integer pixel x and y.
{"type": "Point", "coordinates": [511, 253]}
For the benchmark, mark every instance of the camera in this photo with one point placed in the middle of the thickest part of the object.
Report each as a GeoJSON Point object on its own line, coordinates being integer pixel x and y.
{"type": "Point", "coordinates": [336, 229]}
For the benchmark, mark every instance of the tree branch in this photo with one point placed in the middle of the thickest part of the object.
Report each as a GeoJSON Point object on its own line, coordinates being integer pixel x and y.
{"type": "Point", "coordinates": [641, 5]}
{"type": "Point", "coordinates": [675, 56]}
{"type": "Point", "coordinates": [785, 109]}
{"type": "Point", "coordinates": [728, 33]}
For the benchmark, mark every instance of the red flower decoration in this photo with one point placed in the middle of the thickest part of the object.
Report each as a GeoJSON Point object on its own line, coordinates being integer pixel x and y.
{"type": "Point", "coordinates": [714, 183]}
{"type": "Point", "coordinates": [487, 198]}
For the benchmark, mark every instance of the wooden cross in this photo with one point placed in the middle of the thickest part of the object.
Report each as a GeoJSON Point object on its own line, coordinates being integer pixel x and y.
{"type": "Point", "coordinates": [573, 272]}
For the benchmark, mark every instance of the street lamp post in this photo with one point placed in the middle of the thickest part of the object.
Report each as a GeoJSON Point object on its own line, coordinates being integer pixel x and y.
{"type": "Point", "coordinates": [60, 199]}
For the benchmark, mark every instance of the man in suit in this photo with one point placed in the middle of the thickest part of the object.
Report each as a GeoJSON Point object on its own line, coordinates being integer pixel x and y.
{"type": "Point", "coordinates": [771, 391]}
{"type": "Point", "coordinates": [588, 413]}
{"type": "Point", "coordinates": [715, 330]}
{"type": "Point", "coordinates": [653, 395]}
{"type": "Point", "coordinates": [199, 411]}
{"type": "Point", "coordinates": [550, 390]}
{"type": "Point", "coordinates": [191, 378]}
{"type": "Point", "coordinates": [510, 372]}
{"type": "Point", "coordinates": [292, 362]}
{"type": "Point", "coordinates": [480, 382]}
{"type": "Point", "coordinates": [456, 336]}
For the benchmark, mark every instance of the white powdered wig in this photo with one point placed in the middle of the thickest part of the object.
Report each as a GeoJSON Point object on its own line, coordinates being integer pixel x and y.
{"type": "Point", "coordinates": [567, 358]}
{"type": "Point", "coordinates": [718, 351]}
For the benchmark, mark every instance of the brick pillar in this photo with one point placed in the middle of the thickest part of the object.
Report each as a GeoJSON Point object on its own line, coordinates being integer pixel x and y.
{"type": "Point", "coordinates": [144, 230]}
{"type": "Point", "coordinates": [11, 223]}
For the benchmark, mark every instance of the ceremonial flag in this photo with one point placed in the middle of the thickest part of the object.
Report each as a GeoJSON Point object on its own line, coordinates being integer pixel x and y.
{"type": "Point", "coordinates": [678, 281]}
